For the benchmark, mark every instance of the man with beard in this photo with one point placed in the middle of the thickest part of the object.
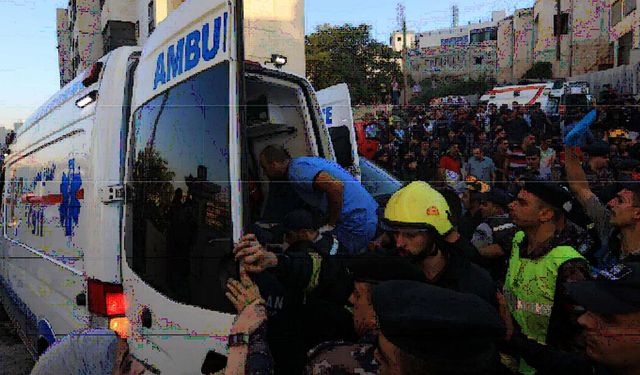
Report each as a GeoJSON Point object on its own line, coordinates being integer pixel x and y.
{"type": "Point", "coordinates": [617, 223]}
{"type": "Point", "coordinates": [541, 262]}
{"type": "Point", "coordinates": [418, 217]}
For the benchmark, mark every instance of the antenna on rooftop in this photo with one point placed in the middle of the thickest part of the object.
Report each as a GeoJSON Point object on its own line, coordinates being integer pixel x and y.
{"type": "Point", "coordinates": [455, 16]}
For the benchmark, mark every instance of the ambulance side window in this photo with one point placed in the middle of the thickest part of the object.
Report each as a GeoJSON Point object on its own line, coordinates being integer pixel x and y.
{"type": "Point", "coordinates": [179, 187]}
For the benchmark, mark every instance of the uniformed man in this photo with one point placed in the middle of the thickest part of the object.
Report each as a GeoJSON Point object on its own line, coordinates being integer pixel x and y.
{"type": "Point", "coordinates": [300, 226]}
{"type": "Point", "coordinates": [540, 263]}
{"type": "Point", "coordinates": [494, 236]}
{"type": "Point", "coordinates": [418, 217]}
{"type": "Point", "coordinates": [348, 209]}
{"type": "Point", "coordinates": [342, 357]}
{"type": "Point", "coordinates": [612, 319]}
{"type": "Point", "coordinates": [425, 329]}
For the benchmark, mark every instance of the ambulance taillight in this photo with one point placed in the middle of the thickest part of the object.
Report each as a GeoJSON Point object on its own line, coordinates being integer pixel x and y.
{"type": "Point", "coordinates": [106, 299]}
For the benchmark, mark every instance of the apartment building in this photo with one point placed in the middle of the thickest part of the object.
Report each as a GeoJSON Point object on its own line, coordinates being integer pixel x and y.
{"type": "Point", "coordinates": [89, 29]}
{"type": "Point", "coordinates": [624, 31]}
{"type": "Point", "coordinates": [572, 35]}
{"type": "Point", "coordinates": [461, 35]}
{"type": "Point", "coordinates": [515, 46]}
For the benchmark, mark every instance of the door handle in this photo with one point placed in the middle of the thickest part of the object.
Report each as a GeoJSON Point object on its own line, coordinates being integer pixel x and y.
{"type": "Point", "coordinates": [146, 317]}
{"type": "Point", "coordinates": [81, 299]}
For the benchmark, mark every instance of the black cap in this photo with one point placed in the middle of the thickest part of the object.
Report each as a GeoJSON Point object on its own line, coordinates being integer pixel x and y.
{"type": "Point", "coordinates": [552, 193]}
{"type": "Point", "coordinates": [497, 196]}
{"type": "Point", "coordinates": [617, 291]}
{"type": "Point", "coordinates": [377, 268]}
{"type": "Point", "coordinates": [299, 219]}
{"type": "Point", "coordinates": [597, 148]}
{"type": "Point", "coordinates": [452, 331]}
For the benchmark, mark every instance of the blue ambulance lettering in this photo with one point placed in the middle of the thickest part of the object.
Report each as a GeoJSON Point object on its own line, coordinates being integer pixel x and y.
{"type": "Point", "coordinates": [187, 52]}
{"type": "Point", "coordinates": [327, 113]}
{"type": "Point", "coordinates": [70, 206]}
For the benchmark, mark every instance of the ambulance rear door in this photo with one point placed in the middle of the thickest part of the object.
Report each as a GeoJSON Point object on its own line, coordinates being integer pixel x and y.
{"type": "Point", "coordinates": [182, 210]}
{"type": "Point", "coordinates": [335, 103]}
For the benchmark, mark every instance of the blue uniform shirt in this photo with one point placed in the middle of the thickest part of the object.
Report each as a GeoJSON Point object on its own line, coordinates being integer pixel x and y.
{"type": "Point", "coordinates": [358, 217]}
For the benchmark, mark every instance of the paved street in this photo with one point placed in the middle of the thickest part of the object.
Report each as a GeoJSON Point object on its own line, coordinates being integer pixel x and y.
{"type": "Point", "coordinates": [14, 358]}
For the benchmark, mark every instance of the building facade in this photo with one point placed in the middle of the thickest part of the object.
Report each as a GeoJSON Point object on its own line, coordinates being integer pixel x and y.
{"type": "Point", "coordinates": [397, 40]}
{"type": "Point", "coordinates": [515, 46]}
{"type": "Point", "coordinates": [572, 35]}
{"type": "Point", "coordinates": [89, 29]}
{"type": "Point", "coordinates": [460, 35]}
{"type": "Point", "coordinates": [624, 31]}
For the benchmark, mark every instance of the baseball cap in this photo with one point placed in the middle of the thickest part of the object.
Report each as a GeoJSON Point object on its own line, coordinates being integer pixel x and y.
{"type": "Point", "coordinates": [616, 291]}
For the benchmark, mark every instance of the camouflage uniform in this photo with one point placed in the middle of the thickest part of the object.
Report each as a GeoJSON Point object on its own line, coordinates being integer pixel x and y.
{"type": "Point", "coordinates": [343, 358]}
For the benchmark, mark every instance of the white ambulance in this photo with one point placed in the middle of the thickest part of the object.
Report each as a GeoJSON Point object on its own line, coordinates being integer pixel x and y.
{"type": "Point", "coordinates": [125, 192]}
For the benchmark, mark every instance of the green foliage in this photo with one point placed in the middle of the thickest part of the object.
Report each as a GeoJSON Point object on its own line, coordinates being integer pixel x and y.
{"type": "Point", "coordinates": [540, 70]}
{"type": "Point", "coordinates": [349, 54]}
{"type": "Point", "coordinates": [453, 87]}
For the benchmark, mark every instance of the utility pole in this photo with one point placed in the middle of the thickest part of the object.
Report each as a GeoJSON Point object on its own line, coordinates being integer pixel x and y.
{"type": "Point", "coordinates": [402, 20]}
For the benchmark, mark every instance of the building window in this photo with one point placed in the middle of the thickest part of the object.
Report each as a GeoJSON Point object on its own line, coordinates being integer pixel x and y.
{"type": "Point", "coordinates": [399, 39]}
{"type": "Point", "coordinates": [629, 6]}
{"type": "Point", "coordinates": [561, 24]}
{"type": "Point", "coordinates": [152, 17]}
{"type": "Point", "coordinates": [616, 12]}
{"type": "Point", "coordinates": [478, 60]}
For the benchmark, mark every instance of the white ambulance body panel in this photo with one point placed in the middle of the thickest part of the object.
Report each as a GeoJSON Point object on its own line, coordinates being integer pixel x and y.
{"type": "Point", "coordinates": [522, 94]}
{"type": "Point", "coordinates": [119, 192]}
{"type": "Point", "coordinates": [176, 336]}
{"type": "Point", "coordinates": [57, 233]}
{"type": "Point", "coordinates": [335, 103]}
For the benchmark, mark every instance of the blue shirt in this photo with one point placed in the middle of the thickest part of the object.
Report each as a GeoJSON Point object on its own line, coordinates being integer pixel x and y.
{"type": "Point", "coordinates": [358, 208]}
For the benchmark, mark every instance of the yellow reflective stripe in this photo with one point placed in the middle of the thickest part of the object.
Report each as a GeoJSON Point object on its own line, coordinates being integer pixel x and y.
{"type": "Point", "coordinates": [316, 261]}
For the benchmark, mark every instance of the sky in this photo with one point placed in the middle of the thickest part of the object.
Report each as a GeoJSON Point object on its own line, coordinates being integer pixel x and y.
{"type": "Point", "coordinates": [29, 72]}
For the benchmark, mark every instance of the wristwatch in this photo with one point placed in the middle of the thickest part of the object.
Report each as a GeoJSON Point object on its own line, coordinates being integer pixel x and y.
{"type": "Point", "coordinates": [238, 339]}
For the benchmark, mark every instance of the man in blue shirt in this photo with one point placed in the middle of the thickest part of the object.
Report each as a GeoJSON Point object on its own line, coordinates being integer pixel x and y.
{"type": "Point", "coordinates": [349, 210]}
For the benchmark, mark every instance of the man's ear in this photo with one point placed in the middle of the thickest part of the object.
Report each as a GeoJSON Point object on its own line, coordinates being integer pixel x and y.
{"type": "Point", "coordinates": [545, 214]}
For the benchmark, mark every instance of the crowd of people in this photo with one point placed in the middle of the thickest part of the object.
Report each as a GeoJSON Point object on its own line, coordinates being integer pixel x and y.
{"type": "Point", "coordinates": [513, 247]}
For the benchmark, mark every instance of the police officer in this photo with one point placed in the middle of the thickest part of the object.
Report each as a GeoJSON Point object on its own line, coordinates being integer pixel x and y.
{"type": "Point", "coordinates": [539, 264]}
{"type": "Point", "coordinates": [430, 330]}
{"type": "Point", "coordinates": [357, 358]}
{"type": "Point", "coordinates": [612, 319]}
{"type": "Point", "coordinates": [494, 236]}
{"type": "Point", "coordinates": [418, 217]}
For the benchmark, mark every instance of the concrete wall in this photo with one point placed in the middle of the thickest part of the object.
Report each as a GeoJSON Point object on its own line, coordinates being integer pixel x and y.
{"type": "Point", "coordinates": [64, 46]}
{"type": "Point", "coordinates": [397, 43]}
{"type": "Point", "coordinates": [454, 62]}
{"type": "Point", "coordinates": [276, 27]}
{"type": "Point", "coordinates": [515, 46]}
{"type": "Point", "coordinates": [629, 23]}
{"type": "Point", "coordinates": [584, 47]}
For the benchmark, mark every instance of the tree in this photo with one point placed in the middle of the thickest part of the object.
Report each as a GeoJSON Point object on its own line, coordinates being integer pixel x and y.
{"type": "Point", "coordinates": [337, 54]}
{"type": "Point", "coordinates": [540, 70]}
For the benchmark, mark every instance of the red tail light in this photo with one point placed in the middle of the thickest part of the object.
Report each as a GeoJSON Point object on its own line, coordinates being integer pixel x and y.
{"type": "Point", "coordinates": [105, 298]}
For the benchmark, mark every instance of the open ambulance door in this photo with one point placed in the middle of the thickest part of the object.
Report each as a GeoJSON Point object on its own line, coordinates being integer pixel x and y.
{"type": "Point", "coordinates": [183, 201]}
{"type": "Point", "coordinates": [335, 102]}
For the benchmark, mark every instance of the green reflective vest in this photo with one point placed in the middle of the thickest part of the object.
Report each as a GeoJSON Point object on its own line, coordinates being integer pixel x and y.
{"type": "Point", "coordinates": [530, 288]}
